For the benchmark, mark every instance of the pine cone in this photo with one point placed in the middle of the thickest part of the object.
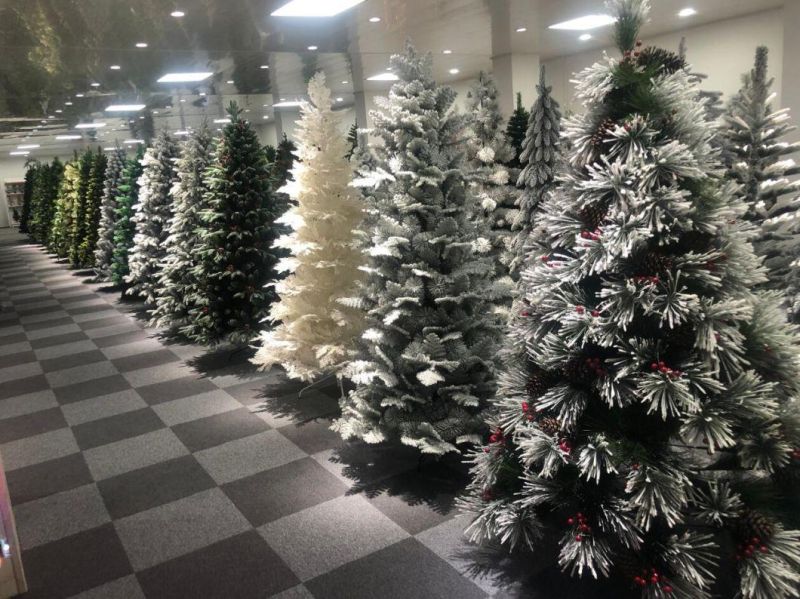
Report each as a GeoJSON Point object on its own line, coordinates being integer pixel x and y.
{"type": "Point", "coordinates": [578, 371]}
{"type": "Point", "coordinates": [753, 524]}
{"type": "Point", "coordinates": [602, 130]}
{"type": "Point", "coordinates": [538, 383]}
{"type": "Point", "coordinates": [549, 426]}
{"type": "Point", "coordinates": [594, 215]}
{"type": "Point", "coordinates": [663, 60]}
{"type": "Point", "coordinates": [654, 263]}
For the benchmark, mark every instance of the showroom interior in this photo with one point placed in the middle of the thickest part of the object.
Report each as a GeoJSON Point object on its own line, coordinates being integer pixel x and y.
{"type": "Point", "coordinates": [353, 299]}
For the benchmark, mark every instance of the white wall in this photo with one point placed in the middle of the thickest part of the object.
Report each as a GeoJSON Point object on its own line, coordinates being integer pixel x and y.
{"type": "Point", "coordinates": [723, 50]}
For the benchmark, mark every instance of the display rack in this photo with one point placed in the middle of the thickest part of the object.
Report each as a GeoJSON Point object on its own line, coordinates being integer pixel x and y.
{"type": "Point", "coordinates": [14, 193]}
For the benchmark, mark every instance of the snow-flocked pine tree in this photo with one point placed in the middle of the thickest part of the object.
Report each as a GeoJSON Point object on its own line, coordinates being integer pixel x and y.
{"type": "Point", "coordinates": [318, 327]}
{"type": "Point", "coordinates": [758, 159]}
{"type": "Point", "coordinates": [515, 131]}
{"type": "Point", "coordinates": [104, 254]}
{"type": "Point", "coordinates": [61, 229]}
{"type": "Point", "coordinates": [651, 410]}
{"type": "Point", "coordinates": [152, 215]}
{"type": "Point", "coordinates": [236, 258]}
{"type": "Point", "coordinates": [94, 199]}
{"type": "Point", "coordinates": [488, 152]}
{"type": "Point", "coordinates": [540, 153]}
{"type": "Point", "coordinates": [178, 289]}
{"type": "Point", "coordinates": [124, 225]}
{"type": "Point", "coordinates": [427, 369]}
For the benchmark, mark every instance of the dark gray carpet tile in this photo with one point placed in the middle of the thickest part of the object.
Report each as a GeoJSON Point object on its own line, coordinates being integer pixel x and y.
{"type": "Point", "coordinates": [116, 428]}
{"type": "Point", "coordinates": [93, 388]}
{"type": "Point", "coordinates": [47, 478]}
{"type": "Point", "coordinates": [28, 425]}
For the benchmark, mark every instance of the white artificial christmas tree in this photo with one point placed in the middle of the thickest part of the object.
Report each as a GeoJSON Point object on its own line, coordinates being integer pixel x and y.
{"type": "Point", "coordinates": [177, 289]}
{"type": "Point", "coordinates": [427, 366]}
{"type": "Point", "coordinates": [104, 253]}
{"type": "Point", "coordinates": [316, 328]}
{"type": "Point", "coordinates": [153, 213]}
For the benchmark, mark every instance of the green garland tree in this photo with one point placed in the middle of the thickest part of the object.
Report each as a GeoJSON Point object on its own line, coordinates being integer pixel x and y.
{"type": "Point", "coordinates": [104, 253]}
{"type": "Point", "coordinates": [428, 350]}
{"type": "Point", "coordinates": [152, 215]}
{"type": "Point", "coordinates": [124, 225]}
{"type": "Point", "coordinates": [178, 289]}
{"type": "Point", "coordinates": [59, 240]}
{"type": "Point", "coordinates": [236, 259]}
{"type": "Point", "coordinates": [643, 426]}
{"type": "Point", "coordinates": [94, 199]}
{"type": "Point", "coordinates": [516, 130]}
{"type": "Point", "coordinates": [757, 158]}
{"type": "Point", "coordinates": [78, 221]}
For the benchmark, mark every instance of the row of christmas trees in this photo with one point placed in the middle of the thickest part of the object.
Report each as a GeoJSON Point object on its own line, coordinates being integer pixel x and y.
{"type": "Point", "coordinates": [643, 408]}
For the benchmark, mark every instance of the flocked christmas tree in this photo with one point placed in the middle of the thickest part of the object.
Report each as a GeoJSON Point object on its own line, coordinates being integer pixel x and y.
{"type": "Point", "coordinates": [236, 259]}
{"type": "Point", "coordinates": [515, 131]}
{"type": "Point", "coordinates": [540, 154]}
{"type": "Point", "coordinates": [488, 152]}
{"type": "Point", "coordinates": [59, 240]}
{"type": "Point", "coordinates": [94, 199]}
{"type": "Point", "coordinates": [178, 288]}
{"type": "Point", "coordinates": [78, 218]}
{"type": "Point", "coordinates": [316, 325]}
{"type": "Point", "coordinates": [124, 225]}
{"type": "Point", "coordinates": [104, 253]}
{"type": "Point", "coordinates": [45, 197]}
{"type": "Point", "coordinates": [758, 159]}
{"type": "Point", "coordinates": [643, 428]}
{"type": "Point", "coordinates": [427, 367]}
{"type": "Point", "coordinates": [152, 215]}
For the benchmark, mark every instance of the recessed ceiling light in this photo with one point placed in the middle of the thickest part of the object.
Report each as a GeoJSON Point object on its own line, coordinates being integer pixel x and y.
{"type": "Point", "coordinates": [90, 125]}
{"type": "Point", "coordinates": [585, 23]}
{"type": "Point", "coordinates": [454, 71]}
{"type": "Point", "coordinates": [687, 12]}
{"type": "Point", "coordinates": [202, 94]}
{"type": "Point", "coordinates": [182, 133]}
{"type": "Point", "coordinates": [133, 141]}
{"type": "Point", "coordinates": [177, 14]}
{"type": "Point", "coordinates": [28, 147]}
{"type": "Point", "coordinates": [312, 48]}
{"type": "Point", "coordinates": [447, 51]}
{"type": "Point", "coordinates": [115, 67]}
{"type": "Point", "coordinates": [225, 120]}
{"type": "Point", "coordinates": [182, 100]}
{"type": "Point", "coordinates": [59, 111]}
{"type": "Point", "coordinates": [141, 118]}
{"type": "Point", "coordinates": [124, 107]}
{"type": "Point", "coordinates": [67, 103]}
{"type": "Point", "coordinates": [345, 83]}
{"type": "Point", "coordinates": [184, 77]}
{"type": "Point", "coordinates": [95, 84]}
{"type": "Point", "coordinates": [141, 44]}
{"type": "Point", "coordinates": [585, 36]}
{"type": "Point", "coordinates": [248, 110]}
{"type": "Point", "coordinates": [67, 137]}
{"type": "Point", "coordinates": [230, 82]}
{"type": "Point", "coordinates": [264, 66]}
{"type": "Point", "coordinates": [266, 116]}
{"type": "Point", "coordinates": [155, 112]}
{"type": "Point", "coordinates": [314, 8]}
{"type": "Point", "coordinates": [383, 77]}
{"type": "Point", "coordinates": [18, 153]}
{"type": "Point", "coordinates": [51, 117]}
{"type": "Point", "coordinates": [287, 104]}
{"type": "Point", "coordinates": [522, 29]}
{"type": "Point", "coordinates": [340, 99]}
{"type": "Point", "coordinates": [109, 149]}
{"type": "Point", "coordinates": [283, 99]}
{"type": "Point", "coordinates": [78, 95]}
{"type": "Point", "coordinates": [374, 19]}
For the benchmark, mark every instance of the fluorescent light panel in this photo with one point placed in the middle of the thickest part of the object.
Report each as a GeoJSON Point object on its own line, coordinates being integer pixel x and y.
{"type": "Point", "coordinates": [383, 77]}
{"type": "Point", "coordinates": [19, 153]}
{"type": "Point", "coordinates": [133, 141]}
{"type": "Point", "coordinates": [90, 125]}
{"type": "Point", "coordinates": [68, 137]}
{"type": "Point", "coordinates": [584, 23]}
{"type": "Point", "coordinates": [687, 12]}
{"type": "Point", "coordinates": [288, 104]}
{"type": "Point", "coordinates": [228, 120]}
{"type": "Point", "coordinates": [28, 146]}
{"type": "Point", "coordinates": [315, 8]}
{"type": "Point", "coordinates": [184, 77]}
{"type": "Point", "coordinates": [124, 107]}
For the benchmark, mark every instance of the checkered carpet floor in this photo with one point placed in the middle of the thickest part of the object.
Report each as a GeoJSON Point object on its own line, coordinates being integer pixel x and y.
{"type": "Point", "coordinates": [139, 468]}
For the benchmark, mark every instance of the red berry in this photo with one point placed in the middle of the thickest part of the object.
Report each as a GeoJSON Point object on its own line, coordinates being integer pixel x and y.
{"type": "Point", "coordinates": [763, 549]}
{"type": "Point", "coordinates": [654, 578]}
{"type": "Point", "coordinates": [595, 313]}
{"type": "Point", "coordinates": [667, 589]}
{"type": "Point", "coordinates": [653, 366]}
{"type": "Point", "coordinates": [570, 521]}
{"type": "Point", "coordinates": [578, 538]}
{"type": "Point", "coordinates": [580, 309]}
{"type": "Point", "coordinates": [545, 258]}
{"type": "Point", "coordinates": [580, 515]}
{"type": "Point", "coordinates": [525, 406]}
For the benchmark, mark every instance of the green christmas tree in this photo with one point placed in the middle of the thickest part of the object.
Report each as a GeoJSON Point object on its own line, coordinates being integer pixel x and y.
{"type": "Point", "coordinates": [59, 240]}
{"type": "Point", "coordinates": [236, 259]}
{"type": "Point", "coordinates": [644, 420]}
{"type": "Point", "coordinates": [27, 195]}
{"type": "Point", "coordinates": [124, 225]}
{"type": "Point", "coordinates": [104, 253]}
{"type": "Point", "coordinates": [284, 160]}
{"type": "Point", "coordinates": [352, 140]}
{"type": "Point", "coordinates": [427, 367]}
{"type": "Point", "coordinates": [45, 196]}
{"type": "Point", "coordinates": [516, 130]}
{"type": "Point", "coordinates": [94, 199]}
{"type": "Point", "coordinates": [178, 289]}
{"type": "Point", "coordinates": [78, 219]}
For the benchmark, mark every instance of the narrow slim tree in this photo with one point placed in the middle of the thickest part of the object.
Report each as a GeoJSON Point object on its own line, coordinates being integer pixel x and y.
{"type": "Point", "coordinates": [27, 195]}
{"type": "Point", "coordinates": [516, 129]}
{"type": "Point", "coordinates": [124, 225]}
{"type": "Point", "coordinates": [152, 215]}
{"type": "Point", "coordinates": [45, 199]}
{"type": "Point", "coordinates": [236, 259]}
{"type": "Point", "coordinates": [62, 225]}
{"type": "Point", "coordinates": [94, 199]}
{"type": "Point", "coordinates": [316, 326]}
{"type": "Point", "coordinates": [427, 367]}
{"type": "Point", "coordinates": [178, 289]}
{"type": "Point", "coordinates": [78, 221]}
{"type": "Point", "coordinates": [642, 427]}
{"type": "Point", "coordinates": [104, 253]}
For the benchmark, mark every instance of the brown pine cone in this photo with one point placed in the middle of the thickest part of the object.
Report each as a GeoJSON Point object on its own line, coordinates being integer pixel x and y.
{"type": "Point", "coordinates": [549, 426]}
{"type": "Point", "coordinates": [538, 382]}
{"type": "Point", "coordinates": [753, 524]}
{"type": "Point", "coordinates": [654, 263]}
{"type": "Point", "coordinates": [594, 215]}
{"type": "Point", "coordinates": [602, 130]}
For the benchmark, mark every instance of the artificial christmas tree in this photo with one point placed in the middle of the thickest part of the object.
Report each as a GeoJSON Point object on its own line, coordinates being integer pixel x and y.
{"type": "Point", "coordinates": [152, 215]}
{"type": "Point", "coordinates": [284, 159]}
{"type": "Point", "coordinates": [59, 240]}
{"type": "Point", "coordinates": [318, 327]}
{"type": "Point", "coordinates": [27, 195]}
{"type": "Point", "coordinates": [178, 288]}
{"type": "Point", "coordinates": [516, 130]}
{"type": "Point", "coordinates": [78, 222]}
{"type": "Point", "coordinates": [539, 158]}
{"type": "Point", "coordinates": [45, 196]}
{"type": "Point", "coordinates": [104, 254]}
{"type": "Point", "coordinates": [352, 140]}
{"type": "Point", "coordinates": [757, 158]}
{"type": "Point", "coordinates": [124, 225]}
{"type": "Point", "coordinates": [87, 244]}
{"type": "Point", "coordinates": [236, 259]}
{"type": "Point", "coordinates": [642, 424]}
{"type": "Point", "coordinates": [488, 151]}
{"type": "Point", "coordinates": [428, 368]}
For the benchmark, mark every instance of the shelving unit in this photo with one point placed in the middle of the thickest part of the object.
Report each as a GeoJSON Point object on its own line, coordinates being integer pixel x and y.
{"type": "Point", "coordinates": [14, 191]}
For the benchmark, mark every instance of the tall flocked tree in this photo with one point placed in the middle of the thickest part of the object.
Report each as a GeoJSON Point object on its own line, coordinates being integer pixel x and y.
{"type": "Point", "coordinates": [488, 152]}
{"type": "Point", "coordinates": [427, 370]}
{"type": "Point", "coordinates": [236, 259]}
{"type": "Point", "coordinates": [124, 225]}
{"type": "Point", "coordinates": [651, 410]}
{"type": "Point", "coordinates": [104, 253]}
{"type": "Point", "coordinates": [758, 159]}
{"type": "Point", "coordinates": [178, 287]}
{"type": "Point", "coordinates": [318, 327]}
{"type": "Point", "coordinates": [152, 214]}
{"type": "Point", "coordinates": [540, 153]}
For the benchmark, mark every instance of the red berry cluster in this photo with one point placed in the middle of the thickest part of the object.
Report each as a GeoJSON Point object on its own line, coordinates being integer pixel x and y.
{"type": "Point", "coordinates": [747, 549]}
{"type": "Point", "coordinates": [592, 235]}
{"type": "Point", "coordinates": [662, 367]}
{"type": "Point", "coordinates": [652, 576]}
{"type": "Point", "coordinates": [795, 453]}
{"type": "Point", "coordinates": [629, 55]}
{"type": "Point", "coordinates": [528, 410]}
{"type": "Point", "coordinates": [565, 446]}
{"type": "Point", "coordinates": [582, 528]}
{"type": "Point", "coordinates": [497, 437]}
{"type": "Point", "coordinates": [646, 279]}
{"type": "Point", "coordinates": [581, 310]}
{"type": "Point", "coordinates": [595, 365]}
{"type": "Point", "coordinates": [525, 313]}
{"type": "Point", "coordinates": [545, 258]}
